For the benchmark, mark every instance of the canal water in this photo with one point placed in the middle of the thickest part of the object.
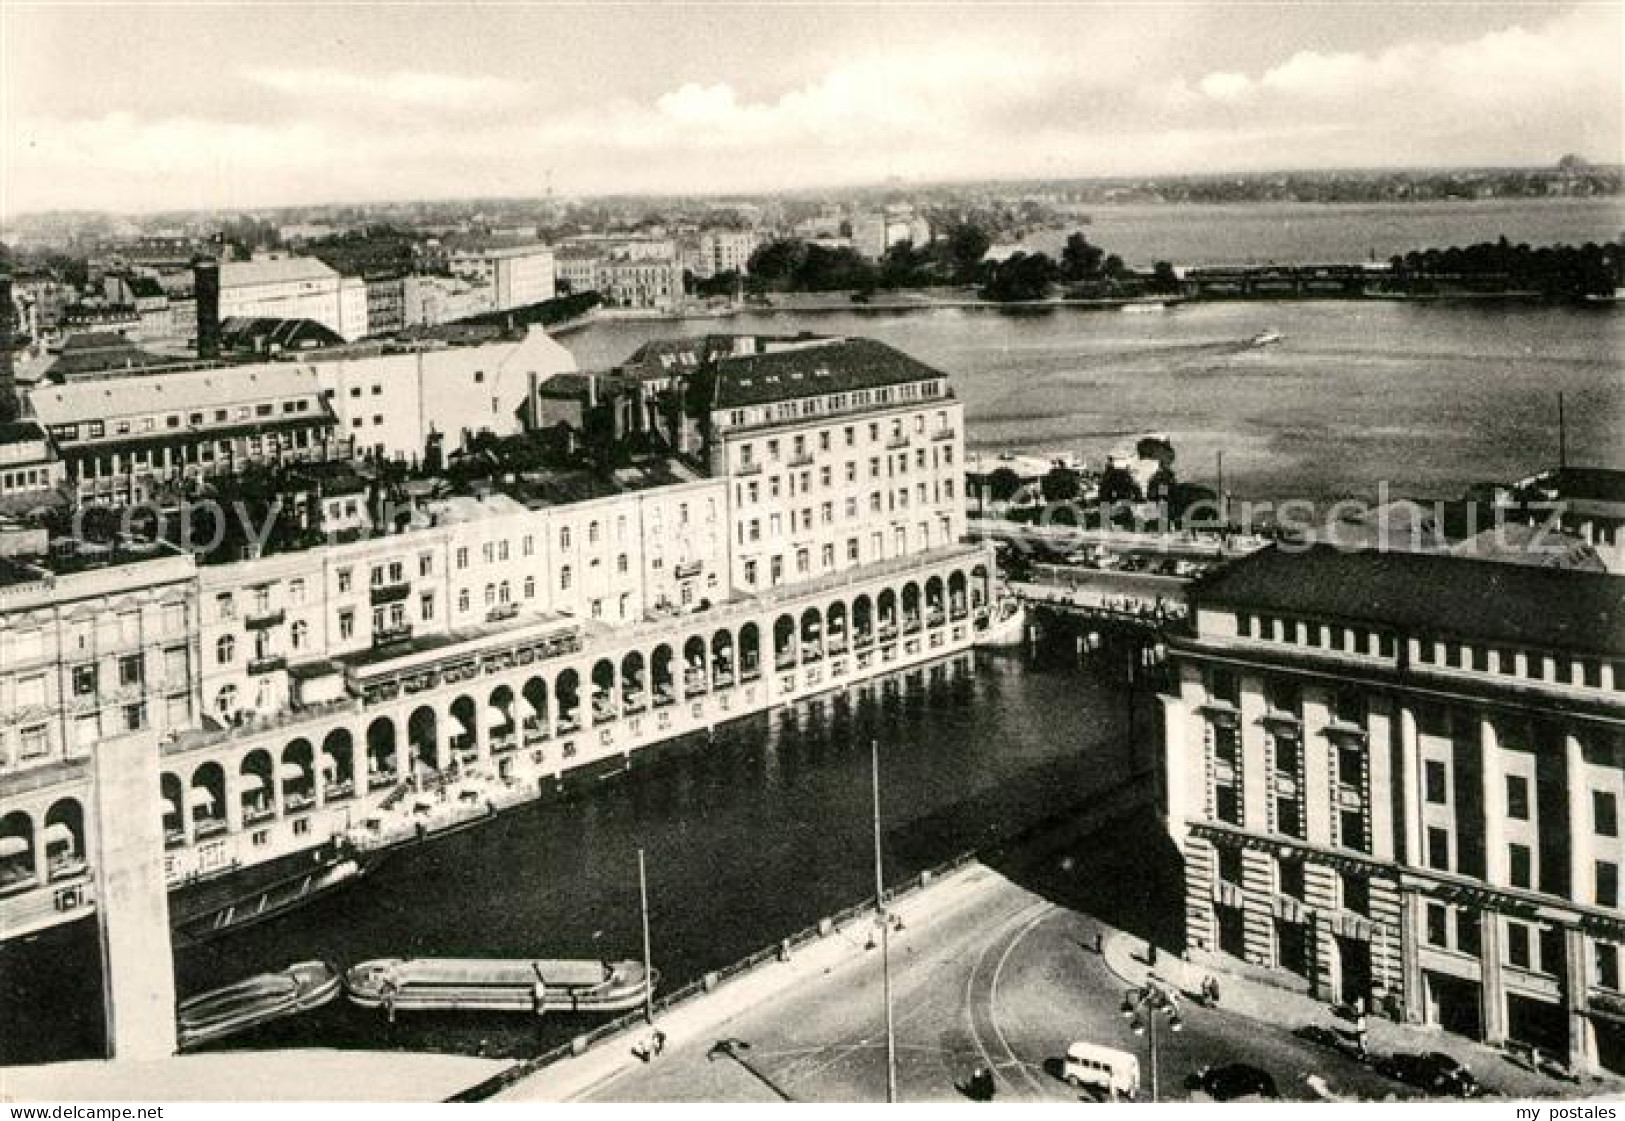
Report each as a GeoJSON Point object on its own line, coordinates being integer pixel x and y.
{"type": "Point", "coordinates": [749, 838]}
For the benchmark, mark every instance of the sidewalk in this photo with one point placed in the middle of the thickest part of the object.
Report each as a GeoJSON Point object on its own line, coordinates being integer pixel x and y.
{"type": "Point", "coordinates": [1124, 956]}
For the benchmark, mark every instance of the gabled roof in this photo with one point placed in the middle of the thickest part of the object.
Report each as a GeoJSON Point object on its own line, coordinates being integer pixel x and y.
{"type": "Point", "coordinates": [835, 366]}
{"type": "Point", "coordinates": [1428, 593]}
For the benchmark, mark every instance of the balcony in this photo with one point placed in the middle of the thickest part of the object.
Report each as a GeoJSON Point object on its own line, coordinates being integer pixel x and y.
{"type": "Point", "coordinates": [800, 459]}
{"type": "Point", "coordinates": [899, 441]}
{"type": "Point", "coordinates": [264, 620]}
{"type": "Point", "coordinates": [944, 434]}
{"type": "Point", "coordinates": [501, 612]}
{"type": "Point", "coordinates": [688, 569]}
{"type": "Point", "coordinates": [392, 592]}
{"type": "Point", "coordinates": [383, 636]}
{"type": "Point", "coordinates": [270, 664]}
{"type": "Point", "coordinates": [748, 469]}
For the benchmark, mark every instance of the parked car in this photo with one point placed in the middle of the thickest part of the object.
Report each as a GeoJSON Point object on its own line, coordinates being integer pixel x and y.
{"type": "Point", "coordinates": [1433, 1071]}
{"type": "Point", "coordinates": [1233, 1081]}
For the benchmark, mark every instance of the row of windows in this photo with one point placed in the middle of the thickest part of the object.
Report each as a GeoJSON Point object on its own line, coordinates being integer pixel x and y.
{"type": "Point", "coordinates": [1604, 803]}
{"type": "Point", "coordinates": [108, 465]}
{"type": "Point", "coordinates": [878, 504]}
{"type": "Point", "coordinates": [1585, 672]}
{"type": "Point", "coordinates": [110, 630]}
{"type": "Point", "coordinates": [836, 402]}
{"type": "Point", "coordinates": [96, 429]}
{"type": "Point", "coordinates": [1535, 949]}
{"type": "Point", "coordinates": [1353, 889]}
{"type": "Point", "coordinates": [1335, 637]}
{"type": "Point", "coordinates": [25, 478]}
{"type": "Point", "coordinates": [774, 449]}
{"type": "Point", "coordinates": [802, 557]}
{"type": "Point", "coordinates": [752, 491]}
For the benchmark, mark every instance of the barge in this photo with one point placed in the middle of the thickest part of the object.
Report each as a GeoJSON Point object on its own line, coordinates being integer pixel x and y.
{"type": "Point", "coordinates": [536, 986]}
{"type": "Point", "coordinates": [258, 1000]}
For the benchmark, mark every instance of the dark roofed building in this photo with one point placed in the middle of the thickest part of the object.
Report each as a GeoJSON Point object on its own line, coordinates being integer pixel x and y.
{"type": "Point", "coordinates": [816, 368]}
{"type": "Point", "coordinates": [1427, 593]}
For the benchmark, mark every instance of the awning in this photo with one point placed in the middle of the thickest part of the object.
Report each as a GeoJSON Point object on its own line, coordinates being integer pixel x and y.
{"type": "Point", "coordinates": [200, 797]}
{"type": "Point", "coordinates": [173, 806]}
{"type": "Point", "coordinates": [330, 765]}
{"type": "Point", "coordinates": [12, 846]}
{"type": "Point", "coordinates": [497, 719]}
{"type": "Point", "coordinates": [58, 833]}
{"type": "Point", "coordinates": [289, 771]}
{"type": "Point", "coordinates": [252, 781]}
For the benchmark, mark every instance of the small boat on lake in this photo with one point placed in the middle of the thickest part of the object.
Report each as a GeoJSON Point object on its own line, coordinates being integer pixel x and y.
{"type": "Point", "coordinates": [257, 1000]}
{"type": "Point", "coordinates": [497, 985]}
{"type": "Point", "coordinates": [1265, 338]}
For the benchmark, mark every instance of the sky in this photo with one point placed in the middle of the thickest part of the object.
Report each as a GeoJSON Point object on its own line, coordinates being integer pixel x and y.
{"type": "Point", "coordinates": [151, 106]}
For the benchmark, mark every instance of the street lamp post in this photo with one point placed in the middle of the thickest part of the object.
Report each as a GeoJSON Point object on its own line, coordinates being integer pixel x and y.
{"type": "Point", "coordinates": [1144, 1007]}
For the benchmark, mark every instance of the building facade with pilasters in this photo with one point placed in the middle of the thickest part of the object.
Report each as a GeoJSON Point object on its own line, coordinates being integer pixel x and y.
{"type": "Point", "coordinates": [1398, 778]}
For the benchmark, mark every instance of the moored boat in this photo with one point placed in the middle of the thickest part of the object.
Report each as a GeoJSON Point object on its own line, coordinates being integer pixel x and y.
{"type": "Point", "coordinates": [218, 909]}
{"type": "Point", "coordinates": [257, 1000]}
{"type": "Point", "coordinates": [497, 985]}
{"type": "Point", "coordinates": [1005, 624]}
{"type": "Point", "coordinates": [1265, 338]}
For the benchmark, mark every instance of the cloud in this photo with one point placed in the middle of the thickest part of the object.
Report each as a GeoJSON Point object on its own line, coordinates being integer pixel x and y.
{"type": "Point", "coordinates": [402, 89]}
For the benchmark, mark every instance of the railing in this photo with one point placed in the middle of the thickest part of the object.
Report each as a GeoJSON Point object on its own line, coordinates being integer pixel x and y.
{"type": "Point", "coordinates": [744, 469]}
{"type": "Point", "coordinates": [259, 621]}
{"type": "Point", "coordinates": [898, 441]}
{"type": "Point", "coordinates": [392, 592]}
{"type": "Point", "coordinates": [944, 434]}
{"type": "Point", "coordinates": [385, 635]}
{"type": "Point", "coordinates": [803, 459]}
{"type": "Point", "coordinates": [268, 665]}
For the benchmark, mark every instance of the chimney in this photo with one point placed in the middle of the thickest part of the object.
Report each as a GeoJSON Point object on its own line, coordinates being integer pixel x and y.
{"type": "Point", "coordinates": [206, 287]}
{"type": "Point", "coordinates": [9, 408]}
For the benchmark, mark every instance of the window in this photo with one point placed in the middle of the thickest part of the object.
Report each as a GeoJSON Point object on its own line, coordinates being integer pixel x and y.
{"type": "Point", "coordinates": [621, 564]}
{"type": "Point", "coordinates": [750, 572]}
{"type": "Point", "coordinates": [564, 537]}
{"type": "Point", "coordinates": [300, 633]}
{"type": "Point", "coordinates": [1607, 958]}
{"type": "Point", "coordinates": [225, 606]}
{"type": "Point", "coordinates": [462, 601]}
{"type": "Point", "coordinates": [1518, 797]}
{"type": "Point", "coordinates": [1289, 877]}
{"type": "Point", "coordinates": [426, 606]}
{"type": "Point", "coordinates": [225, 649]}
{"type": "Point", "coordinates": [296, 590]}
{"type": "Point", "coordinates": [84, 680]}
{"type": "Point", "coordinates": [1230, 865]}
{"type": "Point", "coordinates": [1518, 945]}
{"type": "Point", "coordinates": [1356, 893]}
{"type": "Point", "coordinates": [346, 624]}
{"type": "Point", "coordinates": [1438, 919]}
{"type": "Point", "coordinates": [1518, 865]}
{"type": "Point", "coordinates": [1438, 848]}
{"type": "Point", "coordinates": [1605, 813]}
{"type": "Point", "coordinates": [1607, 883]}
{"type": "Point", "coordinates": [1438, 786]}
{"type": "Point", "coordinates": [564, 578]}
{"type": "Point", "coordinates": [135, 716]}
{"type": "Point", "coordinates": [344, 580]}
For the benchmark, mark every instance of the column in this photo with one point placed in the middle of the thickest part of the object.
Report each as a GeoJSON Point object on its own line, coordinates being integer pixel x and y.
{"type": "Point", "coordinates": [1577, 997]}
{"type": "Point", "coordinates": [1410, 957]}
{"type": "Point", "coordinates": [1493, 996]}
{"type": "Point", "coordinates": [1576, 784]}
{"type": "Point", "coordinates": [1380, 778]}
{"type": "Point", "coordinates": [1180, 770]}
{"type": "Point", "coordinates": [1410, 786]}
{"type": "Point", "coordinates": [234, 800]}
{"type": "Point", "coordinates": [132, 905]}
{"type": "Point", "coordinates": [1493, 802]}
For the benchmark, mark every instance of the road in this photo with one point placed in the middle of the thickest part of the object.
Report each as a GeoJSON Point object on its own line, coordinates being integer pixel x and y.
{"type": "Point", "coordinates": [1005, 980]}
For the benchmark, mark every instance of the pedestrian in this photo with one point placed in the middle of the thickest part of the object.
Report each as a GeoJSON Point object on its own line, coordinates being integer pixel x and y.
{"type": "Point", "coordinates": [1151, 954]}
{"type": "Point", "coordinates": [660, 1041]}
{"type": "Point", "coordinates": [1360, 1030]}
{"type": "Point", "coordinates": [1100, 942]}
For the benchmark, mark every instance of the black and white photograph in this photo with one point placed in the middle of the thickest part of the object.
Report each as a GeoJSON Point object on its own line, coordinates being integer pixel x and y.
{"type": "Point", "coordinates": [849, 553]}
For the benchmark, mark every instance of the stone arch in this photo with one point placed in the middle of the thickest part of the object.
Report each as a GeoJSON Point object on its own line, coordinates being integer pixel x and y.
{"type": "Point", "coordinates": [567, 689]}
{"type": "Point", "coordinates": [605, 703]}
{"type": "Point", "coordinates": [722, 658]}
{"type": "Point", "coordinates": [784, 642]}
{"type": "Point", "coordinates": [634, 694]}
{"type": "Point", "coordinates": [382, 763]}
{"type": "Point", "coordinates": [464, 728]}
{"type": "Point", "coordinates": [660, 676]}
{"type": "Point", "coordinates": [296, 776]}
{"type": "Point", "coordinates": [536, 720]}
{"type": "Point", "coordinates": [936, 606]}
{"type": "Point", "coordinates": [911, 607]}
{"type": "Point", "coordinates": [64, 839]}
{"type": "Point", "coordinates": [207, 798]}
{"type": "Point", "coordinates": [836, 630]}
{"type": "Point", "coordinates": [695, 680]}
{"type": "Point", "coordinates": [18, 866]}
{"type": "Point", "coordinates": [172, 796]}
{"type": "Point", "coordinates": [337, 767]}
{"type": "Point", "coordinates": [750, 652]}
{"type": "Point", "coordinates": [886, 614]}
{"type": "Point", "coordinates": [256, 786]}
{"type": "Point", "coordinates": [957, 604]}
{"type": "Point", "coordinates": [503, 727]}
{"type": "Point", "coordinates": [812, 635]}
{"type": "Point", "coordinates": [863, 622]}
{"type": "Point", "coordinates": [423, 737]}
{"type": "Point", "coordinates": [980, 590]}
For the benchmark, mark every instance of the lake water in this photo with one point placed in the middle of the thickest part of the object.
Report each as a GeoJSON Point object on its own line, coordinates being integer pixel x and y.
{"type": "Point", "coordinates": [1429, 397]}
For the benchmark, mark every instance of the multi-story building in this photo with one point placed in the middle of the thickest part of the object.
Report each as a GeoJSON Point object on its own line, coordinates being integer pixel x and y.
{"type": "Point", "coordinates": [278, 287]}
{"type": "Point", "coordinates": [29, 466]}
{"type": "Point", "coordinates": [97, 642]}
{"type": "Point", "coordinates": [386, 305]}
{"type": "Point", "coordinates": [389, 400]}
{"type": "Point", "coordinates": [726, 251]}
{"type": "Point", "coordinates": [1397, 778]}
{"type": "Point", "coordinates": [839, 453]}
{"type": "Point", "coordinates": [127, 439]}
{"type": "Point", "coordinates": [518, 275]}
{"type": "Point", "coordinates": [427, 301]}
{"type": "Point", "coordinates": [648, 283]}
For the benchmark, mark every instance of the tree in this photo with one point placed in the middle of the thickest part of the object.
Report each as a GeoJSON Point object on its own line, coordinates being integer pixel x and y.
{"type": "Point", "coordinates": [1061, 484]}
{"type": "Point", "coordinates": [1079, 259]}
{"type": "Point", "coordinates": [1164, 281]}
{"type": "Point", "coordinates": [1003, 484]}
{"type": "Point", "coordinates": [1019, 277]}
{"type": "Point", "coordinates": [964, 246]}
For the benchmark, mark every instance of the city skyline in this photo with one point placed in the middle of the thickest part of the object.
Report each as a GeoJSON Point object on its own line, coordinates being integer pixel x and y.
{"type": "Point", "coordinates": [335, 104]}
